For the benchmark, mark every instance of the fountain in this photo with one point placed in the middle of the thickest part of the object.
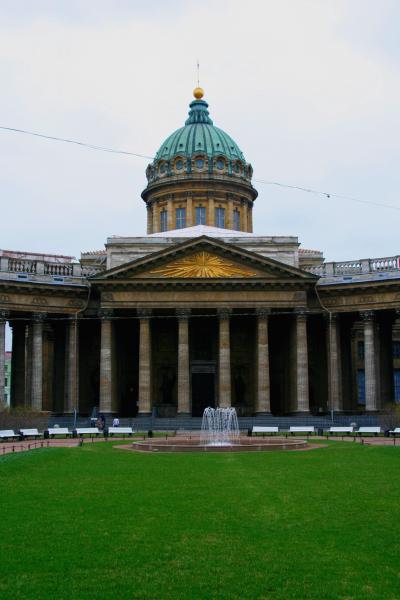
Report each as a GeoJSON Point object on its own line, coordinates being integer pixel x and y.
{"type": "Point", "coordinates": [219, 433]}
{"type": "Point", "coordinates": [219, 427]}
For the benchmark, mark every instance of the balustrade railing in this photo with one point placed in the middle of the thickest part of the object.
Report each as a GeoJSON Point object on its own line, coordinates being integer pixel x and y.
{"type": "Point", "coordinates": [66, 270]}
{"type": "Point", "coordinates": [17, 265]}
{"type": "Point", "coordinates": [356, 267]}
{"type": "Point", "coordinates": [38, 267]}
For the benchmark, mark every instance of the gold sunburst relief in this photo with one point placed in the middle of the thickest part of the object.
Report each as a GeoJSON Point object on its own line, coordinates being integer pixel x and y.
{"type": "Point", "coordinates": [202, 264]}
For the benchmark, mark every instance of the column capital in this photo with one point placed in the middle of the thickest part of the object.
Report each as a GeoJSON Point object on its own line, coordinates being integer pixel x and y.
{"type": "Point", "coordinates": [367, 315]}
{"type": "Point", "coordinates": [144, 313]}
{"type": "Point", "coordinates": [301, 314]}
{"type": "Point", "coordinates": [105, 313]}
{"type": "Point", "coordinates": [39, 317]}
{"type": "Point", "coordinates": [263, 311]}
{"type": "Point", "coordinates": [75, 317]}
{"type": "Point", "coordinates": [4, 315]}
{"type": "Point", "coordinates": [224, 313]}
{"type": "Point", "coordinates": [331, 317]}
{"type": "Point", "coordinates": [183, 313]}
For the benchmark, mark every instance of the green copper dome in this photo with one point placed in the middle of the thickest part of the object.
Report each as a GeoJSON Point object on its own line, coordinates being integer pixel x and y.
{"type": "Point", "coordinates": [198, 149]}
{"type": "Point", "coordinates": [199, 136]}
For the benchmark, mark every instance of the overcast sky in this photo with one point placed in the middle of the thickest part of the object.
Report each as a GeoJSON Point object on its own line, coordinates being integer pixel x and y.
{"type": "Point", "coordinates": [309, 89]}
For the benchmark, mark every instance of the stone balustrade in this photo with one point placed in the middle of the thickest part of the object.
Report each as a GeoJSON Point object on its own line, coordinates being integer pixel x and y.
{"type": "Point", "coordinates": [356, 267]}
{"type": "Point", "coordinates": [29, 267]}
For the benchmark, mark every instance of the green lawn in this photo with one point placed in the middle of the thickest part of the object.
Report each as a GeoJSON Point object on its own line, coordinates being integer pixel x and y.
{"type": "Point", "coordinates": [95, 522]}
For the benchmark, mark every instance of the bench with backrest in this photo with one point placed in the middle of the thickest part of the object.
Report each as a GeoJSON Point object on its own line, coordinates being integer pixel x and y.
{"type": "Point", "coordinates": [341, 430]}
{"type": "Point", "coordinates": [308, 429]}
{"type": "Point", "coordinates": [87, 431]}
{"type": "Point", "coordinates": [259, 429]}
{"type": "Point", "coordinates": [370, 430]}
{"type": "Point", "coordinates": [395, 431]}
{"type": "Point", "coordinates": [120, 431]}
{"type": "Point", "coordinates": [8, 434]}
{"type": "Point", "coordinates": [30, 433]}
{"type": "Point", "coordinates": [52, 431]}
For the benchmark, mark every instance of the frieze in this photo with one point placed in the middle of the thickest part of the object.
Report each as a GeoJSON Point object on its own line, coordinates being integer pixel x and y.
{"type": "Point", "coordinates": [4, 298]}
{"type": "Point", "coordinates": [38, 301]}
{"type": "Point", "coordinates": [76, 303]}
{"type": "Point", "coordinates": [107, 297]}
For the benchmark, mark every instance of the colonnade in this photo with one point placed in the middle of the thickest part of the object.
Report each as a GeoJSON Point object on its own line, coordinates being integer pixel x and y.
{"type": "Point", "coordinates": [28, 370]}
{"type": "Point", "coordinates": [262, 392]}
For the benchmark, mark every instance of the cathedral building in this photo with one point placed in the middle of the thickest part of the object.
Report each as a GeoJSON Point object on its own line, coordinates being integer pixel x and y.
{"type": "Point", "coordinates": [201, 311]}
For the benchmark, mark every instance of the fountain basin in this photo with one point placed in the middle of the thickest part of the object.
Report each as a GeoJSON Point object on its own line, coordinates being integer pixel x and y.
{"type": "Point", "coordinates": [193, 444]}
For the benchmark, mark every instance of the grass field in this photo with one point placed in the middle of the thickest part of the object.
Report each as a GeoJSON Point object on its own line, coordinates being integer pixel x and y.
{"type": "Point", "coordinates": [96, 522]}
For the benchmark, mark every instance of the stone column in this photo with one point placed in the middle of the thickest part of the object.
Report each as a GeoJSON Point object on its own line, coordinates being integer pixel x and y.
{"type": "Point", "coordinates": [224, 359]}
{"type": "Point", "coordinates": [156, 220]}
{"type": "Point", "coordinates": [72, 374]}
{"type": "Point", "coordinates": [189, 210]}
{"type": "Point", "coordinates": [370, 362]}
{"type": "Point", "coordinates": [18, 363]}
{"type": "Point", "coordinates": [250, 218]}
{"type": "Point", "coordinates": [3, 321]}
{"type": "Point", "coordinates": [144, 363]}
{"type": "Point", "coordinates": [263, 405]}
{"type": "Point", "coordinates": [211, 212]}
{"type": "Point", "coordinates": [37, 361]}
{"type": "Point", "coordinates": [170, 214]}
{"type": "Point", "coordinates": [229, 215]}
{"type": "Point", "coordinates": [302, 389]}
{"type": "Point", "coordinates": [335, 395]}
{"type": "Point", "coordinates": [149, 219]}
{"type": "Point", "coordinates": [184, 408]}
{"type": "Point", "coordinates": [105, 392]}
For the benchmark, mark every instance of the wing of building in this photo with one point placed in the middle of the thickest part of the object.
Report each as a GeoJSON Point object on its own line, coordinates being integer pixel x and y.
{"type": "Point", "coordinates": [201, 311]}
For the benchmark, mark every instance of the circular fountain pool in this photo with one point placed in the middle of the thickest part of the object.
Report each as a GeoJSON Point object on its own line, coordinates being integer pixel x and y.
{"type": "Point", "coordinates": [193, 443]}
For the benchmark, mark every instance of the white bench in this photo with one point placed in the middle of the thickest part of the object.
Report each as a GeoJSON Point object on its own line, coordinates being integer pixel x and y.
{"type": "Point", "coordinates": [52, 431]}
{"type": "Point", "coordinates": [374, 430]}
{"type": "Point", "coordinates": [394, 432]}
{"type": "Point", "coordinates": [30, 433]}
{"type": "Point", "coordinates": [264, 430]}
{"type": "Point", "coordinates": [8, 434]}
{"type": "Point", "coordinates": [120, 431]}
{"type": "Point", "coordinates": [308, 429]}
{"type": "Point", "coordinates": [87, 431]}
{"type": "Point", "coordinates": [342, 430]}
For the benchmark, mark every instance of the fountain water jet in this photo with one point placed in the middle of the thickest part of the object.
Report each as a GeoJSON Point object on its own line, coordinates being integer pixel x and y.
{"type": "Point", "coordinates": [219, 427]}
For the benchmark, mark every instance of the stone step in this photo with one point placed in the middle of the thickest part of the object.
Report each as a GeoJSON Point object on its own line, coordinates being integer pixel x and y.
{"type": "Point", "coordinates": [194, 423]}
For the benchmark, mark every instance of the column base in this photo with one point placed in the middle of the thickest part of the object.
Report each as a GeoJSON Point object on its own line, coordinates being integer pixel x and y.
{"type": "Point", "coordinates": [183, 415]}
{"type": "Point", "coordinates": [263, 413]}
{"type": "Point", "coordinates": [143, 415]}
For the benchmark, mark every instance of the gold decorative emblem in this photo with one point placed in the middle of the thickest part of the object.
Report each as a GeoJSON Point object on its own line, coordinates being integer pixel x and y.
{"type": "Point", "coordinates": [202, 264]}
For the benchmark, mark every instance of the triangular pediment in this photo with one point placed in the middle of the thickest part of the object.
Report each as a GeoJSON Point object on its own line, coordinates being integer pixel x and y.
{"type": "Point", "coordinates": [204, 258]}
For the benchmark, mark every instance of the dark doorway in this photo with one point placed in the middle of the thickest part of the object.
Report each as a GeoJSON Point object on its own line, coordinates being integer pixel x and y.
{"type": "Point", "coordinates": [203, 392]}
